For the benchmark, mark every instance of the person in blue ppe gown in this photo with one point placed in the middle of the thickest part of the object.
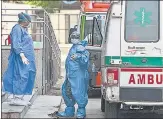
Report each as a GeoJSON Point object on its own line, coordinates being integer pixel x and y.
{"type": "Point", "coordinates": [75, 86]}
{"type": "Point", "coordinates": [20, 75]}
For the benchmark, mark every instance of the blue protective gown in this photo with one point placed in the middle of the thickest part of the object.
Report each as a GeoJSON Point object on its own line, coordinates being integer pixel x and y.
{"type": "Point", "coordinates": [19, 78]}
{"type": "Point", "coordinates": [75, 87]}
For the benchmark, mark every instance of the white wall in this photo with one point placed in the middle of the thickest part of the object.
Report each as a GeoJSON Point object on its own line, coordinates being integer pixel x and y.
{"type": "Point", "coordinates": [59, 21]}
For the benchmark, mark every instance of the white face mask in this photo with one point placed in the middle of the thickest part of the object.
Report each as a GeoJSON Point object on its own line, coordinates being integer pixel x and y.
{"type": "Point", "coordinates": [75, 41]}
{"type": "Point", "coordinates": [28, 26]}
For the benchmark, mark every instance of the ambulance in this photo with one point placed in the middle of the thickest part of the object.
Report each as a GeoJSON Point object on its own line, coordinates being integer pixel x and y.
{"type": "Point", "coordinates": [89, 10]}
{"type": "Point", "coordinates": [131, 57]}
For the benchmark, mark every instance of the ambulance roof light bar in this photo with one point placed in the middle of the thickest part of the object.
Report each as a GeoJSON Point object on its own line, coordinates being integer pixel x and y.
{"type": "Point", "coordinates": [93, 6]}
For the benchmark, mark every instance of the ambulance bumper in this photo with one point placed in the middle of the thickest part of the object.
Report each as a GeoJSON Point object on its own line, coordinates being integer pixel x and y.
{"type": "Point", "coordinates": [143, 103]}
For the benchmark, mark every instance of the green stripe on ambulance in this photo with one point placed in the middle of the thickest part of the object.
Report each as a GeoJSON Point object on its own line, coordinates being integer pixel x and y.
{"type": "Point", "coordinates": [137, 61]}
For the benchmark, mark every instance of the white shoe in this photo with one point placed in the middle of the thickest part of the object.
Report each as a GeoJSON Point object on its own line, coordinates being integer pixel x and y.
{"type": "Point", "coordinates": [3, 93]}
{"type": "Point", "coordinates": [19, 102]}
{"type": "Point", "coordinates": [14, 98]}
{"type": "Point", "coordinates": [10, 99]}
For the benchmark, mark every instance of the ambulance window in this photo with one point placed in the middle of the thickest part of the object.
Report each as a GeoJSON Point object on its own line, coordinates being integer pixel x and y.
{"type": "Point", "coordinates": [88, 30]}
{"type": "Point", "coordinates": [88, 27]}
{"type": "Point", "coordinates": [97, 36]}
{"type": "Point", "coordinates": [142, 21]}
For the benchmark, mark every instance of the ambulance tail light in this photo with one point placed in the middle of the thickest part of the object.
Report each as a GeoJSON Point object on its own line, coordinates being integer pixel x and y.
{"type": "Point", "coordinates": [112, 76]}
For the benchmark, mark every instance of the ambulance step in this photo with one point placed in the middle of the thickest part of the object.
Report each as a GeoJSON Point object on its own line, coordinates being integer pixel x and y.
{"type": "Point", "coordinates": [144, 103]}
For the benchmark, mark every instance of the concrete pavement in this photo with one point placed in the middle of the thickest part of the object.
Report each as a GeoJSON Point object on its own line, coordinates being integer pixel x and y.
{"type": "Point", "coordinates": [43, 105]}
{"type": "Point", "coordinates": [94, 108]}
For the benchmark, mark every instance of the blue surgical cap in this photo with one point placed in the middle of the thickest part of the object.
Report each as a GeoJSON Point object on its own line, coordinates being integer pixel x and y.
{"type": "Point", "coordinates": [24, 17]}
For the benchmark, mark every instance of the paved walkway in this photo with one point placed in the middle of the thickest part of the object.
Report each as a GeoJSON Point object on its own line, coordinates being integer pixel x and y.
{"type": "Point", "coordinates": [43, 105]}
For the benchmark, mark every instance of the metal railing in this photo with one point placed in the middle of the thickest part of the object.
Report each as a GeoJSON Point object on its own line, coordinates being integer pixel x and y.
{"type": "Point", "coordinates": [41, 31]}
{"type": "Point", "coordinates": [52, 53]}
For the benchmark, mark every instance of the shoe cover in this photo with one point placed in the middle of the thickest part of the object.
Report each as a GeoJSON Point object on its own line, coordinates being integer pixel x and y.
{"type": "Point", "coordinates": [19, 102]}
{"type": "Point", "coordinates": [81, 113]}
{"type": "Point", "coordinates": [69, 112]}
